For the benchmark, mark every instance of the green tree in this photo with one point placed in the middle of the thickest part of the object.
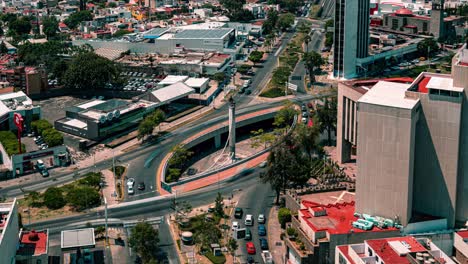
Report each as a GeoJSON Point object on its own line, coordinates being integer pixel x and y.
{"type": "Point", "coordinates": [232, 5]}
{"type": "Point", "coordinates": [53, 198]}
{"type": "Point", "coordinates": [427, 47]}
{"type": "Point", "coordinates": [20, 27]}
{"type": "Point", "coordinates": [40, 5]}
{"type": "Point", "coordinates": [173, 174]}
{"type": "Point", "coordinates": [219, 77]}
{"type": "Point", "coordinates": [244, 68]}
{"type": "Point", "coordinates": [284, 216]}
{"type": "Point", "coordinates": [1, 31]}
{"type": "Point", "coordinates": [281, 75]}
{"type": "Point", "coordinates": [260, 138]}
{"type": "Point", "coordinates": [33, 199]}
{"type": "Point", "coordinates": [206, 233]}
{"type": "Point", "coordinates": [50, 26]}
{"type": "Point", "coordinates": [232, 247]}
{"type": "Point", "coordinates": [256, 56]}
{"type": "Point", "coordinates": [312, 60]}
{"type": "Point", "coordinates": [3, 48]}
{"type": "Point", "coordinates": [76, 18]}
{"type": "Point", "coordinates": [326, 117]}
{"type": "Point", "coordinates": [112, 5]}
{"type": "Point", "coordinates": [99, 231]}
{"type": "Point", "coordinates": [145, 128]}
{"type": "Point", "coordinates": [157, 117]}
{"type": "Point", "coordinates": [52, 137]}
{"type": "Point", "coordinates": [83, 197]}
{"type": "Point", "coordinates": [41, 125]}
{"type": "Point", "coordinates": [283, 165]}
{"type": "Point", "coordinates": [285, 116]}
{"type": "Point", "coordinates": [89, 71]}
{"type": "Point", "coordinates": [270, 22]}
{"type": "Point", "coordinates": [180, 156]}
{"type": "Point", "coordinates": [285, 21]}
{"type": "Point", "coordinates": [241, 15]}
{"type": "Point", "coordinates": [121, 32]}
{"type": "Point", "coordinates": [306, 139]}
{"type": "Point", "coordinates": [144, 240]}
{"type": "Point", "coordinates": [219, 205]}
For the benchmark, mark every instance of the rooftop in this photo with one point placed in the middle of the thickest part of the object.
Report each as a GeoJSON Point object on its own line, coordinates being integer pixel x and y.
{"type": "Point", "coordinates": [388, 94]}
{"type": "Point", "coordinates": [394, 250]}
{"type": "Point", "coordinates": [338, 218]}
{"type": "Point", "coordinates": [362, 86]}
{"type": "Point", "coordinates": [171, 79]}
{"type": "Point", "coordinates": [33, 243]}
{"type": "Point", "coordinates": [436, 81]}
{"type": "Point", "coordinates": [14, 101]}
{"type": "Point", "coordinates": [155, 33]}
{"type": "Point", "coordinates": [202, 33]}
{"type": "Point", "coordinates": [172, 92]}
{"type": "Point", "coordinates": [196, 82]}
{"type": "Point", "coordinates": [78, 238]}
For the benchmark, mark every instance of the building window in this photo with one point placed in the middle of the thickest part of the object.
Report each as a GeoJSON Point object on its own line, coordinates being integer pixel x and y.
{"type": "Point", "coordinates": [405, 21]}
{"type": "Point", "coordinates": [394, 24]}
{"type": "Point", "coordinates": [386, 21]}
{"type": "Point", "coordinates": [425, 27]}
{"type": "Point", "coordinates": [370, 252]}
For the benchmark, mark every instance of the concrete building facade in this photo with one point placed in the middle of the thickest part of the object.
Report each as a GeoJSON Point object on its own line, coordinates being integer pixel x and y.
{"type": "Point", "coordinates": [412, 148]}
{"type": "Point", "coordinates": [351, 37]}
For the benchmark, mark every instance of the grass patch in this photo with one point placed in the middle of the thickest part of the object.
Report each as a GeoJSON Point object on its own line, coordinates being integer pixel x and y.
{"type": "Point", "coordinates": [178, 243]}
{"type": "Point", "coordinates": [80, 194]}
{"type": "Point", "coordinates": [216, 259]}
{"type": "Point", "coordinates": [273, 93]}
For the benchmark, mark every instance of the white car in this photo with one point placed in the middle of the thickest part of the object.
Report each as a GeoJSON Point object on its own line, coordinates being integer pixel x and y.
{"type": "Point", "coordinates": [235, 225]}
{"type": "Point", "coordinates": [261, 218]}
{"type": "Point", "coordinates": [263, 164]}
{"type": "Point", "coordinates": [130, 182]}
{"type": "Point", "coordinates": [304, 120]}
{"type": "Point", "coordinates": [130, 189]}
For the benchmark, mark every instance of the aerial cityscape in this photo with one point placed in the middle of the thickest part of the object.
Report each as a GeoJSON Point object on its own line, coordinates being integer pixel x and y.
{"type": "Point", "coordinates": [234, 131]}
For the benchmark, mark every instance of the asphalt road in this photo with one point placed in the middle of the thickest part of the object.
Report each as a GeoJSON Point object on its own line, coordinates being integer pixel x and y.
{"type": "Point", "coordinates": [257, 199]}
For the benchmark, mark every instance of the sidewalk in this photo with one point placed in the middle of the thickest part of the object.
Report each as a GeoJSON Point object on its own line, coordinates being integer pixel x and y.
{"type": "Point", "coordinates": [274, 231]}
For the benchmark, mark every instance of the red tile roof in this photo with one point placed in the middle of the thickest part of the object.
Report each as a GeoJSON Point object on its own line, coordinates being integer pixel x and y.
{"type": "Point", "coordinates": [33, 243]}
{"type": "Point", "coordinates": [383, 249]}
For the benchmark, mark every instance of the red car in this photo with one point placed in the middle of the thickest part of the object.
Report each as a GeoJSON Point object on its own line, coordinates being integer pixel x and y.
{"type": "Point", "coordinates": [250, 247]}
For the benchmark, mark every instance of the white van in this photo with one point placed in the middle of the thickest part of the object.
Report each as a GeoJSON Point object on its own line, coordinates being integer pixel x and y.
{"type": "Point", "coordinates": [249, 220]}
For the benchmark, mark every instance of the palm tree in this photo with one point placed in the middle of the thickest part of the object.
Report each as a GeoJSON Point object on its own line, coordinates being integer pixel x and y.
{"type": "Point", "coordinates": [312, 60]}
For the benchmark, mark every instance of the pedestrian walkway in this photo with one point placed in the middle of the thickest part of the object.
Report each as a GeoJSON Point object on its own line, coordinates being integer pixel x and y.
{"type": "Point", "coordinates": [277, 249]}
{"type": "Point", "coordinates": [109, 189]}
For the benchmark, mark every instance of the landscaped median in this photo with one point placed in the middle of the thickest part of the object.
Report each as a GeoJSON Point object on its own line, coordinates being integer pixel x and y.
{"type": "Point", "coordinates": [287, 61]}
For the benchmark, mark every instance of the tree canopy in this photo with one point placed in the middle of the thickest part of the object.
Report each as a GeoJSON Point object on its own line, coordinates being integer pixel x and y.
{"type": "Point", "coordinates": [76, 18]}
{"type": "Point", "coordinates": [148, 124]}
{"type": "Point", "coordinates": [53, 198]}
{"type": "Point", "coordinates": [312, 60]}
{"type": "Point", "coordinates": [285, 21]}
{"type": "Point", "coordinates": [83, 197]}
{"type": "Point", "coordinates": [256, 56]}
{"type": "Point", "coordinates": [144, 240]}
{"type": "Point", "coordinates": [88, 71]}
{"type": "Point", "coordinates": [50, 26]}
{"type": "Point", "coordinates": [327, 115]}
{"type": "Point", "coordinates": [20, 27]}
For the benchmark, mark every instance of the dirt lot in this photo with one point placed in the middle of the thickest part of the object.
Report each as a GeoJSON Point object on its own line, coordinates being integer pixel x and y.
{"type": "Point", "coordinates": [54, 108]}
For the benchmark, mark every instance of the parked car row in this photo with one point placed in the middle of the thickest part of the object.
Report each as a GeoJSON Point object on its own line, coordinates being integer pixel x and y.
{"type": "Point", "coordinates": [40, 143]}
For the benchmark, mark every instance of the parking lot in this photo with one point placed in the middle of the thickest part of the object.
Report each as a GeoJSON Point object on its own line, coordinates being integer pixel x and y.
{"type": "Point", "coordinates": [139, 81]}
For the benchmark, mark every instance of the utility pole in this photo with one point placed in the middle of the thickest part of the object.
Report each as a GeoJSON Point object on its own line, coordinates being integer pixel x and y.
{"type": "Point", "coordinates": [113, 162]}
{"type": "Point", "coordinates": [105, 216]}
